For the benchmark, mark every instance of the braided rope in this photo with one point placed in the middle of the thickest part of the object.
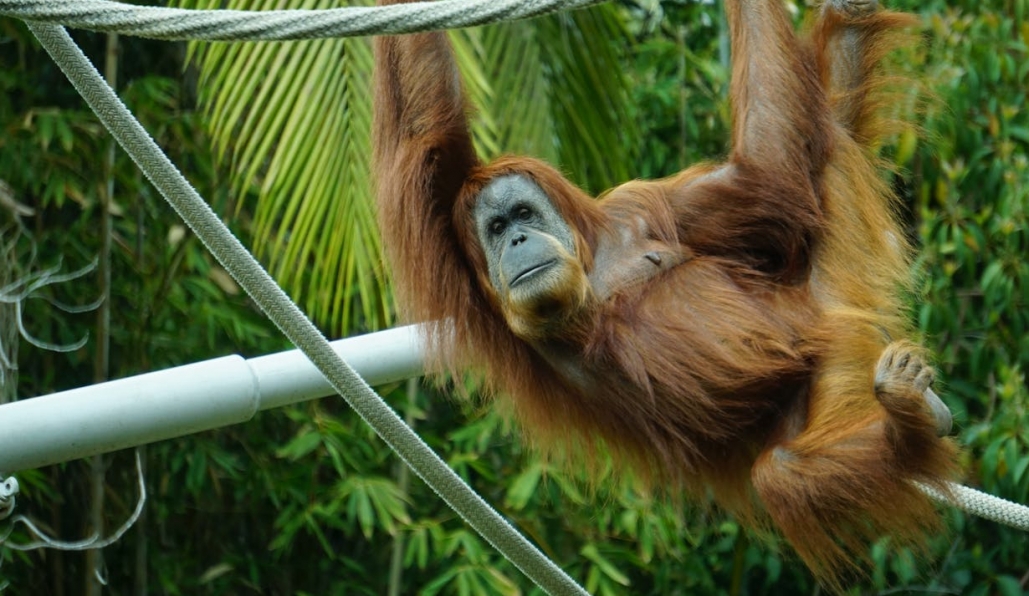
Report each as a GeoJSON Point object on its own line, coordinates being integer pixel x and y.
{"type": "Point", "coordinates": [983, 505]}
{"type": "Point", "coordinates": [244, 25]}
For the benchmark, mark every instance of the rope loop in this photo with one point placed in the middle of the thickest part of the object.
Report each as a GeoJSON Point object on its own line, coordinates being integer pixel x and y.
{"type": "Point", "coordinates": [8, 489]}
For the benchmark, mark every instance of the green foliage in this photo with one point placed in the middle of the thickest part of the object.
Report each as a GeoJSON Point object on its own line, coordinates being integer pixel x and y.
{"type": "Point", "coordinates": [311, 502]}
{"type": "Point", "coordinates": [290, 124]}
{"type": "Point", "coordinates": [542, 72]}
{"type": "Point", "coordinates": [679, 83]}
{"type": "Point", "coordinates": [970, 188]}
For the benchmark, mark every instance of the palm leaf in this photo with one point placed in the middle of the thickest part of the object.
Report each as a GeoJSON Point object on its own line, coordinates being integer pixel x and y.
{"type": "Point", "coordinates": [291, 120]}
{"type": "Point", "coordinates": [560, 92]}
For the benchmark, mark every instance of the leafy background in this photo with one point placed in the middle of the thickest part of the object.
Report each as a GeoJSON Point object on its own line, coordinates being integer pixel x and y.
{"type": "Point", "coordinates": [307, 500]}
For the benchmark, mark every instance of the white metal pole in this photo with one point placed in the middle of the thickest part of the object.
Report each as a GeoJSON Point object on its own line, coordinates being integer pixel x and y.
{"type": "Point", "coordinates": [187, 399]}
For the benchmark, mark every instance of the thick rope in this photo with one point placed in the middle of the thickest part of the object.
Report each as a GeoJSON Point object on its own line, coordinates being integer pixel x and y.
{"type": "Point", "coordinates": [239, 25]}
{"type": "Point", "coordinates": [984, 505]}
{"type": "Point", "coordinates": [289, 318]}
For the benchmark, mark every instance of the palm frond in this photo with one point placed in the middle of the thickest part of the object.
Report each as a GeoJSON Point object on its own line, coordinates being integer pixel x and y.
{"type": "Point", "coordinates": [292, 122]}
{"type": "Point", "coordinates": [560, 92]}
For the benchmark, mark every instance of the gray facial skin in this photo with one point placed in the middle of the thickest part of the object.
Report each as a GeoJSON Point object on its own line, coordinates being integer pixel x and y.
{"type": "Point", "coordinates": [521, 233]}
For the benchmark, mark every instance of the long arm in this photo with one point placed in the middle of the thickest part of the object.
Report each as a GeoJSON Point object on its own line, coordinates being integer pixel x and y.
{"type": "Point", "coordinates": [779, 119]}
{"type": "Point", "coordinates": [844, 67]}
{"type": "Point", "coordinates": [851, 38]}
{"type": "Point", "coordinates": [763, 209]}
{"type": "Point", "coordinates": [423, 154]}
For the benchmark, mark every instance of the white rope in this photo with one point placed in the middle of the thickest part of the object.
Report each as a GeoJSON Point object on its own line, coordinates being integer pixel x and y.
{"type": "Point", "coordinates": [240, 25]}
{"type": "Point", "coordinates": [984, 505]}
{"type": "Point", "coordinates": [40, 539]}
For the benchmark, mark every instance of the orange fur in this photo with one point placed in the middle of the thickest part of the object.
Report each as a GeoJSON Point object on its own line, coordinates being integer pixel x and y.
{"type": "Point", "coordinates": [745, 363]}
